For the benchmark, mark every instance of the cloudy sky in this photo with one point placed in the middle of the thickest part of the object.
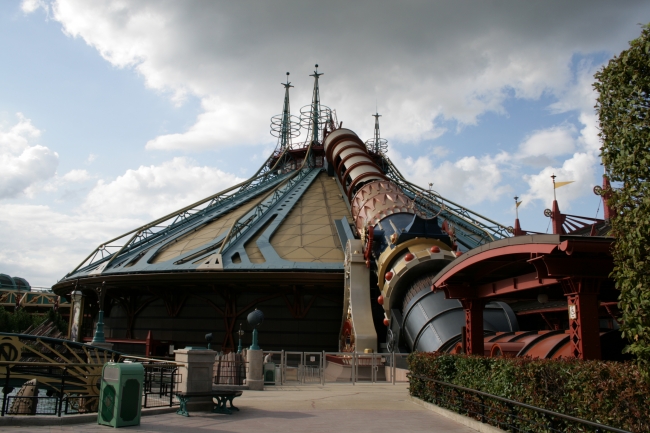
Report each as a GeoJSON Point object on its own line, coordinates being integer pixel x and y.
{"type": "Point", "coordinates": [114, 113]}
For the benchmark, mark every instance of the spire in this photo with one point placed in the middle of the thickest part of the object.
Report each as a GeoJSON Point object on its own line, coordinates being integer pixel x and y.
{"type": "Point", "coordinates": [377, 144]}
{"type": "Point", "coordinates": [314, 114]}
{"type": "Point", "coordinates": [285, 127]}
{"type": "Point", "coordinates": [376, 116]}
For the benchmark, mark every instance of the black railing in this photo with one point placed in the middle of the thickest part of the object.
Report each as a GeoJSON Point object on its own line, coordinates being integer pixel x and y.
{"type": "Point", "coordinates": [506, 414]}
{"type": "Point", "coordinates": [160, 382]}
{"type": "Point", "coordinates": [230, 372]}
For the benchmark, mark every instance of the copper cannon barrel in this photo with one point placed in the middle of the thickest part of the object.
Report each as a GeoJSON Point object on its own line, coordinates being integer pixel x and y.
{"type": "Point", "coordinates": [404, 249]}
{"type": "Point", "coordinates": [371, 194]}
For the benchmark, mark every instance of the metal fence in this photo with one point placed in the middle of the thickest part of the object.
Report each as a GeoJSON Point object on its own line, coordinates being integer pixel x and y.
{"type": "Point", "coordinates": [230, 372]}
{"type": "Point", "coordinates": [299, 368]}
{"type": "Point", "coordinates": [160, 382]}
{"type": "Point", "coordinates": [508, 415]}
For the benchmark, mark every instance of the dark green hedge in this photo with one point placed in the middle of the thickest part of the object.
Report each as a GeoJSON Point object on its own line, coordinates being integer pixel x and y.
{"type": "Point", "coordinates": [611, 393]}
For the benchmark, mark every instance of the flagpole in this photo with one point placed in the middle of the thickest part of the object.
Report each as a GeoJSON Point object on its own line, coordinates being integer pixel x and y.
{"type": "Point", "coordinates": [553, 177]}
{"type": "Point", "coordinates": [516, 207]}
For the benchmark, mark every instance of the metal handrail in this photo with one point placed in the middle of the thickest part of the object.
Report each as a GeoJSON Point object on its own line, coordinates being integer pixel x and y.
{"type": "Point", "coordinates": [524, 405]}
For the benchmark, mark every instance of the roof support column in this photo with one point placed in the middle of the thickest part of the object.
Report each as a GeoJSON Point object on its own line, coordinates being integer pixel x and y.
{"type": "Point", "coordinates": [474, 325]}
{"type": "Point", "coordinates": [584, 326]}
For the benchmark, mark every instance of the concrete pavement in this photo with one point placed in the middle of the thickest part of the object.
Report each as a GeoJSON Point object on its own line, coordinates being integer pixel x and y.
{"type": "Point", "coordinates": [314, 409]}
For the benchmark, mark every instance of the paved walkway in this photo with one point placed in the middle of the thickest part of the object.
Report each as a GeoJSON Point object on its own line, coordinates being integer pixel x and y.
{"type": "Point", "coordinates": [313, 409]}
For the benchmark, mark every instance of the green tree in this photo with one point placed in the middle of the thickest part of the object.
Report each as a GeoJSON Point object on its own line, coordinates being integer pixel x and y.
{"type": "Point", "coordinates": [21, 320]}
{"type": "Point", "coordinates": [623, 108]}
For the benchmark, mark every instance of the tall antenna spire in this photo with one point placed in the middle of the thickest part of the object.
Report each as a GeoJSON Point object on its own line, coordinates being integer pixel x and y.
{"type": "Point", "coordinates": [314, 115]}
{"type": "Point", "coordinates": [377, 144]}
{"type": "Point", "coordinates": [285, 133]}
{"type": "Point", "coordinates": [285, 126]}
{"type": "Point", "coordinates": [377, 137]}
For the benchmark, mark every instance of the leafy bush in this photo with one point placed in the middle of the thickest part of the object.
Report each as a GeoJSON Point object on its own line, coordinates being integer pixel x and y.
{"type": "Point", "coordinates": [611, 393]}
{"type": "Point", "coordinates": [623, 108]}
{"type": "Point", "coordinates": [19, 321]}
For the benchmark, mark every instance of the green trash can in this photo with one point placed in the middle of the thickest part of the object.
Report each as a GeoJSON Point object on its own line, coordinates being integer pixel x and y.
{"type": "Point", "coordinates": [120, 398]}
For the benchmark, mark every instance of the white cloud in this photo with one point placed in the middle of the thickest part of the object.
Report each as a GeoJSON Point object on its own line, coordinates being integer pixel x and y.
{"type": "Point", "coordinates": [578, 93]}
{"type": "Point", "coordinates": [24, 163]}
{"type": "Point", "coordinates": [42, 244]}
{"type": "Point", "coordinates": [579, 168]}
{"type": "Point", "coordinates": [221, 124]}
{"type": "Point", "coordinates": [539, 148]}
{"type": "Point", "coordinates": [440, 151]}
{"type": "Point", "coordinates": [548, 145]}
{"type": "Point", "coordinates": [76, 175]}
{"type": "Point", "coordinates": [91, 158]}
{"type": "Point", "coordinates": [468, 180]}
{"type": "Point", "coordinates": [29, 6]}
{"type": "Point", "coordinates": [425, 63]}
{"type": "Point", "coordinates": [153, 191]}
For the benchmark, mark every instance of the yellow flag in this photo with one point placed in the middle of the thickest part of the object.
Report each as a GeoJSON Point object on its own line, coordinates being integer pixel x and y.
{"type": "Point", "coordinates": [559, 184]}
{"type": "Point", "coordinates": [518, 203]}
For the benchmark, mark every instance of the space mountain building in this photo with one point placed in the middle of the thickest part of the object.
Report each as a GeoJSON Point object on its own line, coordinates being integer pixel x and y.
{"type": "Point", "coordinates": [343, 253]}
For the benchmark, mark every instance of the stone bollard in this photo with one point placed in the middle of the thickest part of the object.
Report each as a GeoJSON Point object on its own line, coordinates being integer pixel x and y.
{"type": "Point", "coordinates": [195, 373]}
{"type": "Point", "coordinates": [255, 376]}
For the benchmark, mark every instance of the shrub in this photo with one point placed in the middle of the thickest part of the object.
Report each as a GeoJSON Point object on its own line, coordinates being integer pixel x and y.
{"type": "Point", "coordinates": [611, 393]}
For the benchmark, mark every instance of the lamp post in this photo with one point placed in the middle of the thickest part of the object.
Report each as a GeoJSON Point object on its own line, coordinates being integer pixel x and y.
{"type": "Point", "coordinates": [208, 338]}
{"type": "Point", "coordinates": [255, 319]}
{"type": "Point", "coordinates": [241, 334]}
{"type": "Point", "coordinates": [99, 330]}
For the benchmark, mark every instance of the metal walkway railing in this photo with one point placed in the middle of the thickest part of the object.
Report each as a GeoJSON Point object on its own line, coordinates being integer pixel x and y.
{"type": "Point", "coordinates": [309, 368]}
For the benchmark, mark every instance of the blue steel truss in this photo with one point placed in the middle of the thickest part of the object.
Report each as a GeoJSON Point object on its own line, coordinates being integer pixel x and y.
{"type": "Point", "coordinates": [135, 251]}
{"type": "Point", "coordinates": [178, 223]}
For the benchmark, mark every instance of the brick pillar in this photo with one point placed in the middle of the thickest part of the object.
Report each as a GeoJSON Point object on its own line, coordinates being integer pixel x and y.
{"type": "Point", "coordinates": [474, 326]}
{"type": "Point", "coordinates": [584, 326]}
